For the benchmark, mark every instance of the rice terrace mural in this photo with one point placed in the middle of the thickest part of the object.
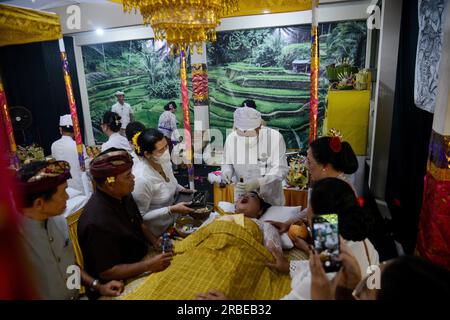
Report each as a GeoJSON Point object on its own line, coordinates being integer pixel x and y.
{"type": "Point", "coordinates": [269, 65]}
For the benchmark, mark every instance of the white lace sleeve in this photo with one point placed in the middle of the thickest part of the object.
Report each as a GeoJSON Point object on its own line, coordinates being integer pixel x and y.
{"type": "Point", "coordinates": [272, 237]}
{"type": "Point", "coordinates": [295, 267]}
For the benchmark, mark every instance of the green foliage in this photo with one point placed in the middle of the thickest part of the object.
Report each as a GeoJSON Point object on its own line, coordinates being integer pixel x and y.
{"type": "Point", "coordinates": [295, 51]}
{"type": "Point", "coordinates": [268, 53]}
{"type": "Point", "coordinates": [236, 46]}
{"type": "Point", "coordinates": [242, 64]}
{"type": "Point", "coordinates": [165, 89]}
{"type": "Point", "coordinates": [348, 40]}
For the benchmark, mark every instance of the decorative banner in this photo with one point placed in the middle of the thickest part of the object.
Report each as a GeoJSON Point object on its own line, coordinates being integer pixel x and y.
{"type": "Point", "coordinates": [72, 105]}
{"type": "Point", "coordinates": [186, 117]}
{"type": "Point", "coordinates": [14, 159]}
{"type": "Point", "coordinates": [429, 50]}
{"type": "Point", "coordinates": [434, 226]}
{"type": "Point", "coordinates": [314, 96]}
{"type": "Point", "coordinates": [200, 84]}
{"type": "Point", "coordinates": [433, 241]}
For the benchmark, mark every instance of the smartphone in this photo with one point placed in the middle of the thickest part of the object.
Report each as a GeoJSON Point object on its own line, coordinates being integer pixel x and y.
{"type": "Point", "coordinates": [326, 240]}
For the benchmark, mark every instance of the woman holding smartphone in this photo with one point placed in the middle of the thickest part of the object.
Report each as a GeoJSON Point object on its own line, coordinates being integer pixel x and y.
{"type": "Point", "coordinates": [333, 196]}
{"type": "Point", "coordinates": [329, 196]}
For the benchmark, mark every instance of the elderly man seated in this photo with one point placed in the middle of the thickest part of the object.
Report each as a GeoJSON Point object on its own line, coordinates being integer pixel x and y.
{"type": "Point", "coordinates": [112, 236]}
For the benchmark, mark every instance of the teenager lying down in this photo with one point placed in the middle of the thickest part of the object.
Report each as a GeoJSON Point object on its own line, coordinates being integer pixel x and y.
{"type": "Point", "coordinates": [230, 254]}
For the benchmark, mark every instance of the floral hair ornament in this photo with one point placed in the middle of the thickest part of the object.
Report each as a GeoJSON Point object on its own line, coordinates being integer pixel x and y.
{"type": "Point", "coordinates": [134, 140]}
{"type": "Point", "coordinates": [336, 140]}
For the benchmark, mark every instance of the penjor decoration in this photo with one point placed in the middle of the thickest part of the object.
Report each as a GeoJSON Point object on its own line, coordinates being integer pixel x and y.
{"type": "Point", "coordinates": [186, 118]}
{"type": "Point", "coordinates": [14, 160]}
{"type": "Point", "coordinates": [72, 104]}
{"type": "Point", "coordinates": [183, 23]}
{"type": "Point", "coordinates": [314, 96]}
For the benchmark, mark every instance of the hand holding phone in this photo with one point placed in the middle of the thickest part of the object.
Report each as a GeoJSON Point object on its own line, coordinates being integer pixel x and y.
{"type": "Point", "coordinates": [326, 241]}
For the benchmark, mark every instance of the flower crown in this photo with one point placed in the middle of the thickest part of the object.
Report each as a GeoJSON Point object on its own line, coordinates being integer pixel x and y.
{"type": "Point", "coordinates": [336, 140]}
{"type": "Point", "coordinates": [135, 142]}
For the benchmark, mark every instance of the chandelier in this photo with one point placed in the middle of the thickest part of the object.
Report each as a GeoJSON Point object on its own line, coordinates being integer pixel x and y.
{"type": "Point", "coordinates": [183, 23]}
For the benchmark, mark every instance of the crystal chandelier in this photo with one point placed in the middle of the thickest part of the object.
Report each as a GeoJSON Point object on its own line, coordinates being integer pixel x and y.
{"type": "Point", "coordinates": [183, 23]}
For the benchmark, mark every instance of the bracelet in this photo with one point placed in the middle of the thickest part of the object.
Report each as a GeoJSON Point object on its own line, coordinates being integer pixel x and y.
{"type": "Point", "coordinates": [94, 284]}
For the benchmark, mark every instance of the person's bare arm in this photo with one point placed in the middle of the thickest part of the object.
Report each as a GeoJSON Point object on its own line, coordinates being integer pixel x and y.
{"type": "Point", "coordinates": [151, 238]}
{"type": "Point", "coordinates": [127, 271]}
{"type": "Point", "coordinates": [111, 288]}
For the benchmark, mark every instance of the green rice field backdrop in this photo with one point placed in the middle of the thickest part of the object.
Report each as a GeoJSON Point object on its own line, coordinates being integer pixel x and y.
{"type": "Point", "coordinates": [269, 65]}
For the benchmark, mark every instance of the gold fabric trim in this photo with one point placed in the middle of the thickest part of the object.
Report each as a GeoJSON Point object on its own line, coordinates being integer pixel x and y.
{"type": "Point", "coordinates": [19, 26]}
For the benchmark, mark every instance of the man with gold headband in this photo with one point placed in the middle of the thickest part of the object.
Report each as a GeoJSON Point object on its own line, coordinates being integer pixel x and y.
{"type": "Point", "coordinates": [112, 236]}
{"type": "Point", "coordinates": [45, 234]}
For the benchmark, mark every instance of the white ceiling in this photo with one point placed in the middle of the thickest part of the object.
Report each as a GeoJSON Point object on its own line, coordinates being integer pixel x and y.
{"type": "Point", "coordinates": [49, 4]}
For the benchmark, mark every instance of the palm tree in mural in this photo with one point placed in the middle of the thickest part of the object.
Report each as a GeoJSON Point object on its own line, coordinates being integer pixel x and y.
{"type": "Point", "coordinates": [347, 40]}
{"type": "Point", "coordinates": [151, 61]}
{"type": "Point", "coordinates": [162, 69]}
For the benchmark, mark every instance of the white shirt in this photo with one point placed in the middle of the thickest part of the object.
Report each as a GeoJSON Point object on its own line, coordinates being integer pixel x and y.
{"type": "Point", "coordinates": [167, 124]}
{"type": "Point", "coordinates": [65, 149]}
{"type": "Point", "coordinates": [262, 158]}
{"type": "Point", "coordinates": [117, 141]}
{"type": "Point", "coordinates": [301, 275]}
{"type": "Point", "coordinates": [124, 111]}
{"type": "Point", "coordinates": [153, 194]}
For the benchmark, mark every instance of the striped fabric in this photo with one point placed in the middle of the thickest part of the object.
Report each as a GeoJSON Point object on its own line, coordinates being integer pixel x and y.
{"type": "Point", "coordinates": [222, 256]}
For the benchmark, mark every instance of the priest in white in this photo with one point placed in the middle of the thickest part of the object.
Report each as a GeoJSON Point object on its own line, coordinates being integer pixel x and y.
{"type": "Point", "coordinates": [124, 110]}
{"type": "Point", "coordinates": [65, 149]}
{"type": "Point", "coordinates": [256, 156]}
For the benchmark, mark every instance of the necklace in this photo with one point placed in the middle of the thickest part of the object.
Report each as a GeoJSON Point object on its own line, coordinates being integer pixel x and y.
{"type": "Point", "coordinates": [161, 172]}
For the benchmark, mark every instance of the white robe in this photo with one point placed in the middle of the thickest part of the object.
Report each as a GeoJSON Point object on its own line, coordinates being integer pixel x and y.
{"type": "Point", "coordinates": [124, 111]}
{"type": "Point", "coordinates": [262, 158]}
{"type": "Point", "coordinates": [66, 149]}
{"type": "Point", "coordinates": [117, 141]}
{"type": "Point", "coordinates": [153, 195]}
{"type": "Point", "coordinates": [167, 124]}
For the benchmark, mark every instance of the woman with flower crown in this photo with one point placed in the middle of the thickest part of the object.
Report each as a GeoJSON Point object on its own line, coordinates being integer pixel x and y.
{"type": "Point", "coordinates": [156, 186]}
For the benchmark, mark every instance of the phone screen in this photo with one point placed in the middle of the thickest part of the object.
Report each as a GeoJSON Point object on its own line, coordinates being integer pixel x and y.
{"type": "Point", "coordinates": [326, 240]}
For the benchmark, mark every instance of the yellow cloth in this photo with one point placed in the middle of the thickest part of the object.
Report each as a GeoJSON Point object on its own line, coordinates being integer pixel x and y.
{"type": "Point", "coordinates": [348, 112]}
{"type": "Point", "coordinates": [72, 223]}
{"type": "Point", "coordinates": [222, 256]}
{"type": "Point", "coordinates": [239, 219]}
{"type": "Point", "coordinates": [253, 7]}
{"type": "Point", "coordinates": [19, 25]}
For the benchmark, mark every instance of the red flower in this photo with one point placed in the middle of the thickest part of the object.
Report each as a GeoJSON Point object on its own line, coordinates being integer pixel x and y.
{"type": "Point", "coordinates": [335, 144]}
